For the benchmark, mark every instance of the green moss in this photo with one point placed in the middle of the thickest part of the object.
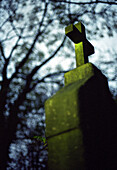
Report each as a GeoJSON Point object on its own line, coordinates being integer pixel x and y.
{"type": "Point", "coordinates": [79, 51]}
{"type": "Point", "coordinates": [83, 72]}
{"type": "Point", "coordinates": [78, 122]}
{"type": "Point", "coordinates": [68, 29]}
{"type": "Point", "coordinates": [79, 26]}
{"type": "Point", "coordinates": [66, 151]}
{"type": "Point", "coordinates": [62, 110]}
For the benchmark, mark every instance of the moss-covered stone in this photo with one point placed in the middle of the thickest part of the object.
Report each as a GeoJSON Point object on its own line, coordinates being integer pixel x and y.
{"type": "Point", "coordinates": [81, 123]}
{"type": "Point", "coordinates": [76, 32]}
{"type": "Point", "coordinates": [83, 72]}
{"type": "Point", "coordinates": [66, 151]}
{"type": "Point", "coordinates": [62, 109]}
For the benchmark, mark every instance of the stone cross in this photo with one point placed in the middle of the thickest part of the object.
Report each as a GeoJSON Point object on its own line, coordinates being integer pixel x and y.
{"type": "Point", "coordinates": [83, 48]}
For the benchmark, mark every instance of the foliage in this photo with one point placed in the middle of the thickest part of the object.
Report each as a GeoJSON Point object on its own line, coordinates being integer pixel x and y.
{"type": "Point", "coordinates": [42, 139]}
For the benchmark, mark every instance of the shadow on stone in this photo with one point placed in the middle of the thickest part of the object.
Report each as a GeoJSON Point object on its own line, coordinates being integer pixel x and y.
{"type": "Point", "coordinates": [98, 121]}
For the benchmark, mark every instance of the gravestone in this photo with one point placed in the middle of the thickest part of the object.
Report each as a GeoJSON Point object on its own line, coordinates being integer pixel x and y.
{"type": "Point", "coordinates": [79, 117]}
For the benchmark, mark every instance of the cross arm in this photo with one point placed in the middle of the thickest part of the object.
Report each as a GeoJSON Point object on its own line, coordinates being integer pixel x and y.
{"type": "Point", "coordinates": [76, 32]}
{"type": "Point", "coordinates": [83, 48]}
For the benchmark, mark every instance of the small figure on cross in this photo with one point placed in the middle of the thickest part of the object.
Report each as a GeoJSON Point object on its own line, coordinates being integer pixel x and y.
{"type": "Point", "coordinates": [83, 48]}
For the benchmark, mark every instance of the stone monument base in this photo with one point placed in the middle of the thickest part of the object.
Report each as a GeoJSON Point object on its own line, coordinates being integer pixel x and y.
{"type": "Point", "coordinates": [81, 123]}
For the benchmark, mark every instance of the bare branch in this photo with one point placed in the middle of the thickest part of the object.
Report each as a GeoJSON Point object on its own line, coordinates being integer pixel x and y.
{"type": "Point", "coordinates": [14, 28]}
{"type": "Point", "coordinates": [55, 74]}
{"type": "Point", "coordinates": [43, 63]}
{"type": "Point", "coordinates": [4, 23]}
{"type": "Point", "coordinates": [2, 51]}
{"type": "Point", "coordinates": [32, 46]}
{"type": "Point", "coordinates": [22, 96]}
{"type": "Point", "coordinates": [7, 39]}
{"type": "Point", "coordinates": [11, 22]}
{"type": "Point", "coordinates": [4, 71]}
{"type": "Point", "coordinates": [91, 2]}
{"type": "Point", "coordinates": [27, 87]}
{"type": "Point", "coordinates": [15, 46]}
{"type": "Point", "coordinates": [44, 14]}
{"type": "Point", "coordinates": [61, 45]}
{"type": "Point", "coordinates": [47, 76]}
{"type": "Point", "coordinates": [69, 11]}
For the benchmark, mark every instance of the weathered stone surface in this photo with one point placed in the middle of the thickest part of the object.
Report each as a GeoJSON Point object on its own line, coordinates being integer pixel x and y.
{"type": "Point", "coordinates": [66, 151]}
{"type": "Point", "coordinates": [82, 51]}
{"type": "Point", "coordinates": [81, 119]}
{"type": "Point", "coordinates": [83, 114]}
{"type": "Point", "coordinates": [62, 110]}
{"type": "Point", "coordinates": [83, 48]}
{"type": "Point", "coordinates": [76, 32]}
{"type": "Point", "coordinates": [83, 72]}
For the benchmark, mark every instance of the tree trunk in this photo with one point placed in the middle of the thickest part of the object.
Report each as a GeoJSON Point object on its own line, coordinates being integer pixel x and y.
{"type": "Point", "coordinates": [3, 144]}
{"type": "Point", "coordinates": [8, 129]}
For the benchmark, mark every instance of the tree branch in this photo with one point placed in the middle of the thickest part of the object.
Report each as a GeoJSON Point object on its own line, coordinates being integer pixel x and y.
{"type": "Point", "coordinates": [7, 39]}
{"type": "Point", "coordinates": [43, 63]}
{"type": "Point", "coordinates": [47, 76]}
{"type": "Point", "coordinates": [29, 77]}
{"type": "Point", "coordinates": [27, 87]}
{"type": "Point", "coordinates": [4, 23]}
{"type": "Point", "coordinates": [61, 45]}
{"type": "Point", "coordinates": [44, 14]}
{"type": "Point", "coordinates": [15, 46]}
{"type": "Point", "coordinates": [91, 2]}
{"type": "Point", "coordinates": [22, 96]}
{"type": "Point", "coordinates": [32, 46]}
{"type": "Point", "coordinates": [4, 71]}
{"type": "Point", "coordinates": [2, 51]}
{"type": "Point", "coordinates": [14, 28]}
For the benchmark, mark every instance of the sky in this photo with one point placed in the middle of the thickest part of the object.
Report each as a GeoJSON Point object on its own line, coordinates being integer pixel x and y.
{"type": "Point", "coordinates": [101, 45]}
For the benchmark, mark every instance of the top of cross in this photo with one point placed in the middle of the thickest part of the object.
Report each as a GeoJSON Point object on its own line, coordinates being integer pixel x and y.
{"type": "Point", "coordinates": [83, 48]}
